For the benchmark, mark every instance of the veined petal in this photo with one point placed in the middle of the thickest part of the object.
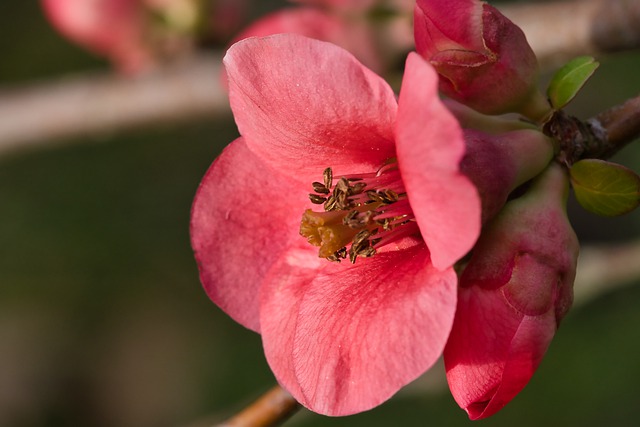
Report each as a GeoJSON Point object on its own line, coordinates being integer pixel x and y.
{"type": "Point", "coordinates": [354, 36]}
{"type": "Point", "coordinates": [492, 352]}
{"type": "Point", "coordinates": [430, 146]}
{"type": "Point", "coordinates": [342, 339]}
{"type": "Point", "coordinates": [310, 103]}
{"type": "Point", "coordinates": [433, 34]}
{"type": "Point", "coordinates": [243, 216]}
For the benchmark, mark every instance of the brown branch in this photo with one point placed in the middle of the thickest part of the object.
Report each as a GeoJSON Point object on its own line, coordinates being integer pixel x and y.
{"type": "Point", "coordinates": [597, 138]}
{"type": "Point", "coordinates": [621, 124]}
{"type": "Point", "coordinates": [93, 104]}
{"type": "Point", "coordinates": [606, 268]}
{"type": "Point", "coordinates": [271, 409]}
{"type": "Point", "coordinates": [558, 31]}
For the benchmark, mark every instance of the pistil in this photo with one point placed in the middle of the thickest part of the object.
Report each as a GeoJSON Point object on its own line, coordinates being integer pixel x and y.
{"type": "Point", "coordinates": [362, 213]}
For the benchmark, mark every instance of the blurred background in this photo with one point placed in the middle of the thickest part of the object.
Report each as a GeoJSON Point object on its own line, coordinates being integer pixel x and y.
{"type": "Point", "coordinates": [103, 321]}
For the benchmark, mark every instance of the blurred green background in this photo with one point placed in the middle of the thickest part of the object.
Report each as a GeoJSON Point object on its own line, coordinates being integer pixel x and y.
{"type": "Point", "coordinates": [103, 321]}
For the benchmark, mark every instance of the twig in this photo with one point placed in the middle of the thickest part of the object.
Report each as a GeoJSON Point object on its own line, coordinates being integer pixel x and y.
{"type": "Point", "coordinates": [597, 138]}
{"type": "Point", "coordinates": [271, 409]}
{"type": "Point", "coordinates": [94, 104]}
{"type": "Point", "coordinates": [621, 123]}
{"type": "Point", "coordinates": [558, 31]}
{"type": "Point", "coordinates": [605, 268]}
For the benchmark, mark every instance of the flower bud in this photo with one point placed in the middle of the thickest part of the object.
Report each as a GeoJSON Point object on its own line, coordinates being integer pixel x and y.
{"type": "Point", "coordinates": [516, 288]}
{"type": "Point", "coordinates": [483, 59]}
{"type": "Point", "coordinates": [499, 163]}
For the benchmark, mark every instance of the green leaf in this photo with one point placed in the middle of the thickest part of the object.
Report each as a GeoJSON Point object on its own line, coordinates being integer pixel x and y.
{"type": "Point", "coordinates": [568, 80]}
{"type": "Point", "coordinates": [605, 188]}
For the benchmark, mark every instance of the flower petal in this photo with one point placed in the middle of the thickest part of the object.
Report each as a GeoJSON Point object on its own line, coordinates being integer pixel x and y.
{"type": "Point", "coordinates": [352, 35]}
{"type": "Point", "coordinates": [489, 363]}
{"type": "Point", "coordinates": [344, 338]}
{"type": "Point", "coordinates": [433, 34]}
{"type": "Point", "coordinates": [242, 218]}
{"type": "Point", "coordinates": [430, 146]}
{"type": "Point", "coordinates": [310, 103]}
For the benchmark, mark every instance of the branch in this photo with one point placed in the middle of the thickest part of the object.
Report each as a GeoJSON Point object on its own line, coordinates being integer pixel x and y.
{"type": "Point", "coordinates": [558, 31]}
{"type": "Point", "coordinates": [605, 268]}
{"type": "Point", "coordinates": [621, 123]}
{"type": "Point", "coordinates": [271, 409]}
{"type": "Point", "coordinates": [93, 104]}
{"type": "Point", "coordinates": [597, 138]}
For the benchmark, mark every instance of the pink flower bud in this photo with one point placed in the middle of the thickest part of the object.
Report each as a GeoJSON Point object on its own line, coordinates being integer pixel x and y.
{"type": "Point", "coordinates": [483, 59]}
{"type": "Point", "coordinates": [516, 288]}
{"type": "Point", "coordinates": [499, 163]}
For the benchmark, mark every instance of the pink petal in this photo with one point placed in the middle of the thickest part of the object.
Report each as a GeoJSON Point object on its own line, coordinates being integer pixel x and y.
{"type": "Point", "coordinates": [430, 147]}
{"type": "Point", "coordinates": [354, 36]}
{"type": "Point", "coordinates": [308, 22]}
{"type": "Point", "coordinates": [433, 34]}
{"type": "Point", "coordinates": [113, 28]}
{"type": "Point", "coordinates": [341, 338]}
{"type": "Point", "coordinates": [309, 103]}
{"type": "Point", "coordinates": [346, 5]}
{"type": "Point", "coordinates": [492, 351]}
{"type": "Point", "coordinates": [243, 216]}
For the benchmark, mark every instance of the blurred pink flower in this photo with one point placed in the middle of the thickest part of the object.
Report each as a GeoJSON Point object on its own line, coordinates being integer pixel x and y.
{"type": "Point", "coordinates": [483, 59]}
{"type": "Point", "coordinates": [113, 28]}
{"type": "Point", "coordinates": [378, 35]}
{"type": "Point", "coordinates": [516, 288]}
{"type": "Point", "coordinates": [133, 34]}
{"type": "Point", "coordinates": [340, 337]}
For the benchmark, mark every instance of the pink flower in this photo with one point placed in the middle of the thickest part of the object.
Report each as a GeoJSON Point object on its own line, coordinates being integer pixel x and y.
{"type": "Point", "coordinates": [341, 337]}
{"type": "Point", "coordinates": [125, 31]}
{"type": "Point", "coordinates": [378, 38]}
{"type": "Point", "coordinates": [516, 288]}
{"type": "Point", "coordinates": [112, 28]}
{"type": "Point", "coordinates": [483, 59]}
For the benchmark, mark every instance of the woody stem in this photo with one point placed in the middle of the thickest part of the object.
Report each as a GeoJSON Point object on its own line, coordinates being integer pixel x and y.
{"type": "Point", "coordinates": [271, 409]}
{"type": "Point", "coordinates": [599, 137]}
{"type": "Point", "coordinates": [622, 124]}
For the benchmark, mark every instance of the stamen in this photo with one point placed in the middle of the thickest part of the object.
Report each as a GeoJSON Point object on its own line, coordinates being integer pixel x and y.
{"type": "Point", "coordinates": [362, 212]}
{"type": "Point", "coordinates": [319, 187]}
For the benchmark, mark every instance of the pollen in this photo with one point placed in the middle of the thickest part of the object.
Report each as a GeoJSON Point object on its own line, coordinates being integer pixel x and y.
{"type": "Point", "coordinates": [362, 213]}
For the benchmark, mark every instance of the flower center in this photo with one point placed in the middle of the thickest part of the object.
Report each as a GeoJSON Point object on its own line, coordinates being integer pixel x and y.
{"type": "Point", "coordinates": [362, 213]}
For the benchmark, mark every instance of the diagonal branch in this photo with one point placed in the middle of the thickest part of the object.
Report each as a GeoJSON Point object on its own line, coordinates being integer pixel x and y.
{"type": "Point", "coordinates": [271, 409]}
{"type": "Point", "coordinates": [86, 105]}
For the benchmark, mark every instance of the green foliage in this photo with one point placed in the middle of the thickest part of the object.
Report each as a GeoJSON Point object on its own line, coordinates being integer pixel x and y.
{"type": "Point", "coordinates": [605, 188]}
{"type": "Point", "coordinates": [568, 80]}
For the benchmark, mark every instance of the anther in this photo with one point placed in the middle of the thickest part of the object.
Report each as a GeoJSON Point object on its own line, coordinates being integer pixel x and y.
{"type": "Point", "coordinates": [328, 177]}
{"type": "Point", "coordinates": [363, 212]}
{"type": "Point", "coordinates": [317, 200]}
{"type": "Point", "coordinates": [319, 187]}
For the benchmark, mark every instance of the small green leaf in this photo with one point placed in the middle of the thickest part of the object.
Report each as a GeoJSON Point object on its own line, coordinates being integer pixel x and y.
{"type": "Point", "coordinates": [568, 80]}
{"type": "Point", "coordinates": [605, 188]}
